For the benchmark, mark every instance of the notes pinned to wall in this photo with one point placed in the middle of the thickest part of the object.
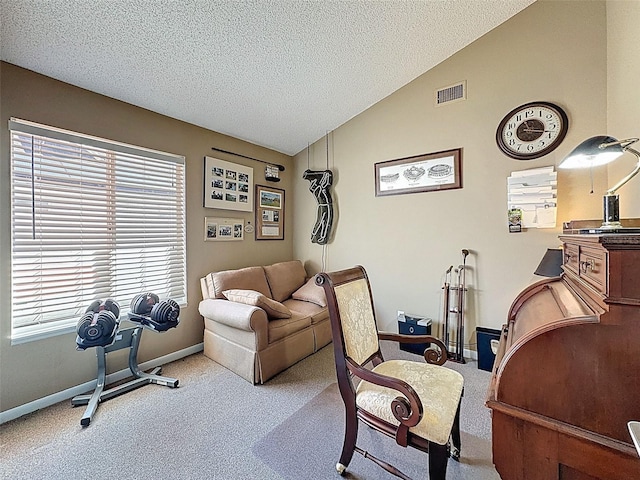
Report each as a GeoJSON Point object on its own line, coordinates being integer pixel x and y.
{"type": "Point", "coordinates": [534, 191]}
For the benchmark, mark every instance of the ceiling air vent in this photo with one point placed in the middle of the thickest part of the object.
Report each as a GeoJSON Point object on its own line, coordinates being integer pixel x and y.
{"type": "Point", "coordinates": [452, 93]}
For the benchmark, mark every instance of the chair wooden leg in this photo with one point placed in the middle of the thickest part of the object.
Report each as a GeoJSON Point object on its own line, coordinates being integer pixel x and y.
{"type": "Point", "coordinates": [455, 436]}
{"type": "Point", "coordinates": [349, 445]}
{"type": "Point", "coordinates": [438, 458]}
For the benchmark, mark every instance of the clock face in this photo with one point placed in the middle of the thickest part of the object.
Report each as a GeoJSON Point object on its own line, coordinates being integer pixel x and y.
{"type": "Point", "coordinates": [532, 130]}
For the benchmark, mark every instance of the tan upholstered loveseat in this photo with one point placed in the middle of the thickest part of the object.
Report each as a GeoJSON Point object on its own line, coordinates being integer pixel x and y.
{"type": "Point", "coordinates": [258, 321]}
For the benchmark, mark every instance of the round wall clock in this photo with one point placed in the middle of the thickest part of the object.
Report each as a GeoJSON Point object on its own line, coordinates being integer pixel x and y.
{"type": "Point", "coordinates": [532, 130]}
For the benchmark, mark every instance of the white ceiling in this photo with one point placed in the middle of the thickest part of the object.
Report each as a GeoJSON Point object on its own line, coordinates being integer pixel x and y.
{"type": "Point", "coordinates": [277, 73]}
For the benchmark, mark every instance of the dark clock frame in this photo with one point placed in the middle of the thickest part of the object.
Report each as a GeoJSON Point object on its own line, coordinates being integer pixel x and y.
{"type": "Point", "coordinates": [551, 147]}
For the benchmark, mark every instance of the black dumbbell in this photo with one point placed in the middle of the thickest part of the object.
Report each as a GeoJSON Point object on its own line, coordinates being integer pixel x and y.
{"type": "Point", "coordinates": [112, 306]}
{"type": "Point", "coordinates": [101, 327]}
{"type": "Point", "coordinates": [83, 324]}
{"type": "Point", "coordinates": [109, 304]}
{"type": "Point", "coordinates": [143, 303]}
{"type": "Point", "coordinates": [166, 311]}
{"type": "Point", "coordinates": [99, 322]}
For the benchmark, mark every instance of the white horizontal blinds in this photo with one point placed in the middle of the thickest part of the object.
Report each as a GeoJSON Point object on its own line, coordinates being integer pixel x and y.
{"type": "Point", "coordinates": [149, 228]}
{"type": "Point", "coordinates": [90, 222]}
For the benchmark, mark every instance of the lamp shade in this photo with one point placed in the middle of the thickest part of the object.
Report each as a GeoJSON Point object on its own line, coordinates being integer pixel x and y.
{"type": "Point", "coordinates": [551, 263]}
{"type": "Point", "coordinates": [593, 152]}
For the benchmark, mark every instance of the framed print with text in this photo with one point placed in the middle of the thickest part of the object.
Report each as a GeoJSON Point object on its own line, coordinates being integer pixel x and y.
{"type": "Point", "coordinates": [269, 213]}
{"type": "Point", "coordinates": [227, 185]}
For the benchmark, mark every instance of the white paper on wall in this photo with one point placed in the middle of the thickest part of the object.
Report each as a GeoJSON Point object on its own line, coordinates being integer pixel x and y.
{"type": "Point", "coordinates": [534, 191]}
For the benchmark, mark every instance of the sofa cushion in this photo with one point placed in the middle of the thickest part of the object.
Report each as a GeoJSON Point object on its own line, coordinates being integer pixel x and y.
{"type": "Point", "coordinates": [285, 278]}
{"type": "Point", "coordinates": [315, 312]}
{"type": "Point", "coordinates": [251, 297]}
{"type": "Point", "coordinates": [249, 278]}
{"type": "Point", "coordinates": [282, 328]}
{"type": "Point", "coordinates": [310, 292]}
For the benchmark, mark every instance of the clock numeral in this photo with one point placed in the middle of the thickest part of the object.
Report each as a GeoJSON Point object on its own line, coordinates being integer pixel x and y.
{"type": "Point", "coordinates": [511, 125]}
{"type": "Point", "coordinates": [529, 113]}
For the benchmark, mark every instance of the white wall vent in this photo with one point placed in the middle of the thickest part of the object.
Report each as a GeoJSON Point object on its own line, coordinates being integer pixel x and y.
{"type": "Point", "coordinates": [452, 93]}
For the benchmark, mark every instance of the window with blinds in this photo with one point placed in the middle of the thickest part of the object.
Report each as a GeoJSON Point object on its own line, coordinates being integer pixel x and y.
{"type": "Point", "coordinates": [91, 218]}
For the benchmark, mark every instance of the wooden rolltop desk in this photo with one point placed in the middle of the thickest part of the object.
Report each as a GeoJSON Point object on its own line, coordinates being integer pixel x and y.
{"type": "Point", "coordinates": [566, 378]}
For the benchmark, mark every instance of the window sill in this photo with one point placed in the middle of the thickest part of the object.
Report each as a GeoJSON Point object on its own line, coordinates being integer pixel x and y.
{"type": "Point", "coordinates": [27, 335]}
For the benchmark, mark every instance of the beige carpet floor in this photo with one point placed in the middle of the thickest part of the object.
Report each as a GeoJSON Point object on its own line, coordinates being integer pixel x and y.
{"type": "Point", "coordinates": [218, 426]}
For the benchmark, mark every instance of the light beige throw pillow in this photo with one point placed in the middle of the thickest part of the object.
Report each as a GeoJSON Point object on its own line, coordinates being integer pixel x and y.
{"type": "Point", "coordinates": [310, 292]}
{"type": "Point", "coordinates": [251, 297]}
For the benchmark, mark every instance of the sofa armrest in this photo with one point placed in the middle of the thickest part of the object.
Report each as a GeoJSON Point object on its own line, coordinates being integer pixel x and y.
{"type": "Point", "coordinates": [236, 315]}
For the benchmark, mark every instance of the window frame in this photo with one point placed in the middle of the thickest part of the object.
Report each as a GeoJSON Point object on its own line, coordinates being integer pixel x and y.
{"type": "Point", "coordinates": [116, 153]}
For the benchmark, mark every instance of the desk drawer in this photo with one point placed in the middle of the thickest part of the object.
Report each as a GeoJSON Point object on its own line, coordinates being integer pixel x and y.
{"type": "Point", "coordinates": [571, 254]}
{"type": "Point", "coordinates": [593, 268]}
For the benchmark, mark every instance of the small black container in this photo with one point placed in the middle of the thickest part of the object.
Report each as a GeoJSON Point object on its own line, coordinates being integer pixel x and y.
{"type": "Point", "coordinates": [486, 357]}
{"type": "Point", "coordinates": [414, 325]}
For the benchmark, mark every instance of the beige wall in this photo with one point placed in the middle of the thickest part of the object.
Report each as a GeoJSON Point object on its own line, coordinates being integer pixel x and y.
{"type": "Point", "coordinates": [36, 369]}
{"type": "Point", "coordinates": [623, 95]}
{"type": "Point", "coordinates": [552, 51]}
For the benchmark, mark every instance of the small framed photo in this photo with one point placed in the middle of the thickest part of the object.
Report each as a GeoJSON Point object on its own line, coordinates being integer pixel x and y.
{"type": "Point", "coordinates": [218, 229]}
{"type": "Point", "coordinates": [515, 220]}
{"type": "Point", "coordinates": [269, 213]}
{"type": "Point", "coordinates": [422, 173]}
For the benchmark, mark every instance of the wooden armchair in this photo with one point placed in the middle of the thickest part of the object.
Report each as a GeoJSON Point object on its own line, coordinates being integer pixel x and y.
{"type": "Point", "coordinates": [416, 403]}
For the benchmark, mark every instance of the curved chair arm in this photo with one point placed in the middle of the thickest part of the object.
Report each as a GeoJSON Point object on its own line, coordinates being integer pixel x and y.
{"type": "Point", "coordinates": [431, 355]}
{"type": "Point", "coordinates": [408, 410]}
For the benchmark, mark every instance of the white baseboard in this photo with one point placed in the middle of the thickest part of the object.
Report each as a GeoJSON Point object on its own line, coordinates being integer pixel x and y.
{"type": "Point", "coordinates": [88, 386]}
{"type": "Point", "coordinates": [472, 354]}
{"type": "Point", "coordinates": [467, 352]}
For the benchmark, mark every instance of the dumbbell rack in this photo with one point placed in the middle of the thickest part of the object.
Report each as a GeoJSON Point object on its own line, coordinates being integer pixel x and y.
{"type": "Point", "coordinates": [127, 338]}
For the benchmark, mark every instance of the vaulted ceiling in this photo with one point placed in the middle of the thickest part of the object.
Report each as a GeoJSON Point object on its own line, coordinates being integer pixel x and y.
{"type": "Point", "coordinates": [277, 73]}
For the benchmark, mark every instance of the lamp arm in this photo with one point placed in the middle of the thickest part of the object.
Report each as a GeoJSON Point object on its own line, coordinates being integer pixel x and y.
{"type": "Point", "coordinates": [633, 173]}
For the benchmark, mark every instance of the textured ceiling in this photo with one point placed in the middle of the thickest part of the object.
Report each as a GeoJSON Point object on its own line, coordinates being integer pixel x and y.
{"type": "Point", "coordinates": [279, 73]}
